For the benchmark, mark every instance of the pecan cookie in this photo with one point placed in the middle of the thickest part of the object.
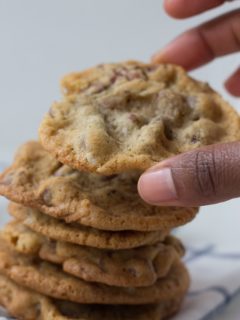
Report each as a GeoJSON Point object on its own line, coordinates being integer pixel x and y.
{"type": "Point", "coordinates": [37, 180]}
{"type": "Point", "coordinates": [49, 280]}
{"type": "Point", "coordinates": [134, 267]}
{"type": "Point", "coordinates": [26, 304]}
{"type": "Point", "coordinates": [130, 115]}
{"type": "Point", "coordinates": [81, 235]}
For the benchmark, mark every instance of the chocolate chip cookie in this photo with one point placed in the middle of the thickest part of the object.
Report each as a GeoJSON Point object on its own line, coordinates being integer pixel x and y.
{"type": "Point", "coordinates": [134, 267]}
{"type": "Point", "coordinates": [131, 115]}
{"type": "Point", "coordinates": [37, 180]}
{"type": "Point", "coordinates": [48, 279]}
{"type": "Point", "coordinates": [81, 235]}
{"type": "Point", "coordinates": [26, 304]}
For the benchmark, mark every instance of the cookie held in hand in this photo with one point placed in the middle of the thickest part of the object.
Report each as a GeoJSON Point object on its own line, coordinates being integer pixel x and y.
{"type": "Point", "coordinates": [130, 115]}
{"type": "Point", "coordinates": [37, 180]}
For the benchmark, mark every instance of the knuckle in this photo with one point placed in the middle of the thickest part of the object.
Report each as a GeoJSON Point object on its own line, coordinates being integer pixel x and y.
{"type": "Point", "coordinates": [206, 173]}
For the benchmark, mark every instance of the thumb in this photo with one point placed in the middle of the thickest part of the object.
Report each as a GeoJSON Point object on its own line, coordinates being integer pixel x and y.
{"type": "Point", "coordinates": [204, 176]}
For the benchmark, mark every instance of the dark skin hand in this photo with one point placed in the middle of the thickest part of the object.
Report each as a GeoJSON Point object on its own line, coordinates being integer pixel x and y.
{"type": "Point", "coordinates": [210, 174]}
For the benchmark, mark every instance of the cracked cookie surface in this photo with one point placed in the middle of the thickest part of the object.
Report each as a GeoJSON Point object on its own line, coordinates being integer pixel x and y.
{"type": "Point", "coordinates": [130, 115]}
{"type": "Point", "coordinates": [37, 180]}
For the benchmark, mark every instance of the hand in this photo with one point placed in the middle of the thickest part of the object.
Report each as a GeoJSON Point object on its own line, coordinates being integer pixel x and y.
{"type": "Point", "coordinates": [211, 174]}
{"type": "Point", "coordinates": [202, 44]}
{"type": "Point", "coordinates": [204, 176]}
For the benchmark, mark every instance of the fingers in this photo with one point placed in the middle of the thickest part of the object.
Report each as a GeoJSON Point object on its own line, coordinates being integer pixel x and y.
{"type": "Point", "coordinates": [187, 8]}
{"type": "Point", "coordinates": [200, 45]}
{"type": "Point", "coordinates": [204, 176]}
{"type": "Point", "coordinates": [233, 83]}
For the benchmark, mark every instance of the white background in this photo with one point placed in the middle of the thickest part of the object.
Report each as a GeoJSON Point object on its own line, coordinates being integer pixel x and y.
{"type": "Point", "coordinates": [42, 40]}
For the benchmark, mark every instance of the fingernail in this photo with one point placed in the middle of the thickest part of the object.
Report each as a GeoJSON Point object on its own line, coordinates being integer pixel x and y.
{"type": "Point", "coordinates": [157, 186]}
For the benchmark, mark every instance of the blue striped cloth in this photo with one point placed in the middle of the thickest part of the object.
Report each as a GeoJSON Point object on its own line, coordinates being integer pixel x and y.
{"type": "Point", "coordinates": [215, 283]}
{"type": "Point", "coordinates": [215, 273]}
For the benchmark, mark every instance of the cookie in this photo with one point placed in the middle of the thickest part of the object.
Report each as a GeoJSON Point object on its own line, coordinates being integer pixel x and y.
{"type": "Point", "coordinates": [49, 280]}
{"type": "Point", "coordinates": [130, 115]}
{"type": "Point", "coordinates": [37, 180]}
{"type": "Point", "coordinates": [26, 304]}
{"type": "Point", "coordinates": [82, 235]}
{"type": "Point", "coordinates": [134, 267]}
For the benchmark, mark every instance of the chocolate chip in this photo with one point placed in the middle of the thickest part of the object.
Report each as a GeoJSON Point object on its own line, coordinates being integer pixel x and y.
{"type": "Point", "coordinates": [171, 106]}
{"type": "Point", "coordinates": [135, 74]}
{"type": "Point", "coordinates": [108, 178]}
{"type": "Point", "coordinates": [131, 74]}
{"type": "Point", "coordinates": [168, 132]}
{"type": "Point", "coordinates": [196, 117]}
{"type": "Point", "coordinates": [112, 192]}
{"type": "Point", "coordinates": [98, 87]}
{"type": "Point", "coordinates": [194, 139]}
{"type": "Point", "coordinates": [137, 119]}
{"type": "Point", "coordinates": [14, 240]}
{"type": "Point", "coordinates": [131, 271]}
{"type": "Point", "coordinates": [121, 72]}
{"type": "Point", "coordinates": [110, 254]}
{"type": "Point", "coordinates": [68, 309]}
{"type": "Point", "coordinates": [128, 74]}
{"type": "Point", "coordinates": [151, 68]}
{"type": "Point", "coordinates": [51, 245]}
{"type": "Point", "coordinates": [114, 77]}
{"type": "Point", "coordinates": [133, 117]}
{"type": "Point", "coordinates": [111, 102]}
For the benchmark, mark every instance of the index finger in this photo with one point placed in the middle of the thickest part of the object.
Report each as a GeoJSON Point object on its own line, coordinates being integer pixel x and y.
{"type": "Point", "coordinates": [204, 43]}
{"type": "Point", "coordinates": [186, 8]}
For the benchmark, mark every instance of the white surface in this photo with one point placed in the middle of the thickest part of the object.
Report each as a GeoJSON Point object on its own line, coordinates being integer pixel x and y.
{"type": "Point", "coordinates": [42, 40]}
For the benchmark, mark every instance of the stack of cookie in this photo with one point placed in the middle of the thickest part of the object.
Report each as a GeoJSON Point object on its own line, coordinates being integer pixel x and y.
{"type": "Point", "coordinates": [82, 244]}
